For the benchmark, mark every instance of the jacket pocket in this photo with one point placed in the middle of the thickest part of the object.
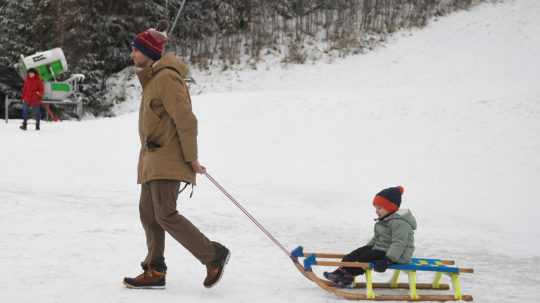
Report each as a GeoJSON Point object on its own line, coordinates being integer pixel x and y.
{"type": "Point", "coordinates": [162, 132]}
{"type": "Point", "coordinates": [150, 121]}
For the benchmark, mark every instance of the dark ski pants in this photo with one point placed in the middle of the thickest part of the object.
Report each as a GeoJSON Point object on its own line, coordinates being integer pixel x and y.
{"type": "Point", "coordinates": [362, 254]}
{"type": "Point", "coordinates": [37, 113]}
{"type": "Point", "coordinates": [158, 213]}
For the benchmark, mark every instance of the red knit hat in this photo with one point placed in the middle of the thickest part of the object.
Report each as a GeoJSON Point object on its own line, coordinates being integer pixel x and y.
{"type": "Point", "coordinates": [389, 198]}
{"type": "Point", "coordinates": [151, 43]}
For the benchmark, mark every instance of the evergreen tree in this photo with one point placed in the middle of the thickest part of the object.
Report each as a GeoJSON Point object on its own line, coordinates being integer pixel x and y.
{"type": "Point", "coordinates": [96, 35]}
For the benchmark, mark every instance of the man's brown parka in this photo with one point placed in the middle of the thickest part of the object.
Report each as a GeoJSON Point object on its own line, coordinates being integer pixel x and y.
{"type": "Point", "coordinates": [167, 125]}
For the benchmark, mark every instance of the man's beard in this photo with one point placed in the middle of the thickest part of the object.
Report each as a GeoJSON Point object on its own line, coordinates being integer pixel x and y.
{"type": "Point", "coordinates": [143, 64]}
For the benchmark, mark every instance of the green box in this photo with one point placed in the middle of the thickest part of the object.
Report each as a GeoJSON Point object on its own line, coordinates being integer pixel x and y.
{"type": "Point", "coordinates": [60, 87]}
{"type": "Point", "coordinates": [48, 72]}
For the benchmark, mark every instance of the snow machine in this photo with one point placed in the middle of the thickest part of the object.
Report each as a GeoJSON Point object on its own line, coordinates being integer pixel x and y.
{"type": "Point", "coordinates": [51, 64]}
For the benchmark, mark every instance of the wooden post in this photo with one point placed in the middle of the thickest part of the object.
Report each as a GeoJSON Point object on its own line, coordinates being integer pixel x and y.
{"type": "Point", "coordinates": [370, 294]}
{"type": "Point", "coordinates": [395, 279]}
{"type": "Point", "coordinates": [437, 281]}
{"type": "Point", "coordinates": [456, 285]}
{"type": "Point", "coordinates": [412, 285]}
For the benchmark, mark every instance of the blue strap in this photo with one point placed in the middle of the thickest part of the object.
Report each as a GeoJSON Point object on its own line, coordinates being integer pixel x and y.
{"type": "Point", "coordinates": [297, 252]}
{"type": "Point", "coordinates": [424, 268]}
{"type": "Point", "coordinates": [309, 261]}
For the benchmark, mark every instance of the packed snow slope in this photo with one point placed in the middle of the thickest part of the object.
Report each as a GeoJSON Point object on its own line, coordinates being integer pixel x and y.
{"type": "Point", "coordinates": [451, 112]}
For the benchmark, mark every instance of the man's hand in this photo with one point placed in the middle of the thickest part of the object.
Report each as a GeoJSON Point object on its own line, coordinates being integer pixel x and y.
{"type": "Point", "coordinates": [197, 167]}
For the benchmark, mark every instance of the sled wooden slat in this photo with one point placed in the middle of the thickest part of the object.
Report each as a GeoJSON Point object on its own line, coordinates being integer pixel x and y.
{"type": "Point", "coordinates": [325, 255]}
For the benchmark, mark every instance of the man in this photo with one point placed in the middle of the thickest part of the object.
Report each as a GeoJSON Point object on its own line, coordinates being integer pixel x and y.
{"type": "Point", "coordinates": [168, 158]}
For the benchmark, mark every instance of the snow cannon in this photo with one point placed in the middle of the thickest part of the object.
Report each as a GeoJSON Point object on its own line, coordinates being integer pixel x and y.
{"type": "Point", "coordinates": [50, 65]}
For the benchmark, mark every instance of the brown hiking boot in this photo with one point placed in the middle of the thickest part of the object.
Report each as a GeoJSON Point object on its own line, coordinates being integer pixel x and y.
{"type": "Point", "coordinates": [214, 270]}
{"type": "Point", "coordinates": [150, 278]}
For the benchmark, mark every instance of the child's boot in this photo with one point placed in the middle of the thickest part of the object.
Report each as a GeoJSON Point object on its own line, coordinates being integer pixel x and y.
{"type": "Point", "coordinates": [345, 280]}
{"type": "Point", "coordinates": [335, 275]}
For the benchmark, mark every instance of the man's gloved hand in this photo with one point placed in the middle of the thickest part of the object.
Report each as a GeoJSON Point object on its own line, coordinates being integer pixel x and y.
{"type": "Point", "coordinates": [381, 265]}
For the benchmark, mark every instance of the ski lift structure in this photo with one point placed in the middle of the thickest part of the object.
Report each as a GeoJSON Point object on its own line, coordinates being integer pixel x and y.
{"type": "Point", "coordinates": [50, 65]}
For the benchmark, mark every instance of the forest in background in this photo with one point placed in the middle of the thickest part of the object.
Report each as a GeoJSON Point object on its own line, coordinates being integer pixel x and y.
{"type": "Point", "coordinates": [96, 35]}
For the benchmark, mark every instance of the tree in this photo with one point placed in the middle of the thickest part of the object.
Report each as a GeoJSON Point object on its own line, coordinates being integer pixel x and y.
{"type": "Point", "coordinates": [96, 35]}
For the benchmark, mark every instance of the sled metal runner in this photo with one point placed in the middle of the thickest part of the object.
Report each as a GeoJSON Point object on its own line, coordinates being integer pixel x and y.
{"type": "Point", "coordinates": [439, 267]}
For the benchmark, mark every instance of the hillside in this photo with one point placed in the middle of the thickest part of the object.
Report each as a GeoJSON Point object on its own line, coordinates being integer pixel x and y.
{"type": "Point", "coordinates": [451, 112]}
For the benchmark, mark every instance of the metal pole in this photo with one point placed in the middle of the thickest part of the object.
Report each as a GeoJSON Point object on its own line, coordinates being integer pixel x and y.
{"type": "Point", "coordinates": [6, 108]}
{"type": "Point", "coordinates": [169, 33]}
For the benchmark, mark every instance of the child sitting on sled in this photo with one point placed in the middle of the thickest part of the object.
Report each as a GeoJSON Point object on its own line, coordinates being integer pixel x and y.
{"type": "Point", "coordinates": [393, 241]}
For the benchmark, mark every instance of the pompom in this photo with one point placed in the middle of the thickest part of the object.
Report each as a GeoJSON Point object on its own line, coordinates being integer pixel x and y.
{"type": "Point", "coordinates": [162, 26]}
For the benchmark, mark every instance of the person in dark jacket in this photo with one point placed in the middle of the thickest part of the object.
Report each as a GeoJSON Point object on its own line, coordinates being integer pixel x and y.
{"type": "Point", "coordinates": [393, 241]}
{"type": "Point", "coordinates": [32, 93]}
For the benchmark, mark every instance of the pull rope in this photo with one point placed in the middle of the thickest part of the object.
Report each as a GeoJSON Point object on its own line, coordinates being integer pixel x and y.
{"type": "Point", "coordinates": [259, 225]}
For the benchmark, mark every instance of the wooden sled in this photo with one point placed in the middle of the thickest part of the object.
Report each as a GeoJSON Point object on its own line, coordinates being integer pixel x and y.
{"type": "Point", "coordinates": [439, 267]}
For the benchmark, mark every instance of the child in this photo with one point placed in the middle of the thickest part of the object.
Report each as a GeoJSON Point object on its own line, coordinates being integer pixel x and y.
{"type": "Point", "coordinates": [393, 241]}
{"type": "Point", "coordinates": [32, 94]}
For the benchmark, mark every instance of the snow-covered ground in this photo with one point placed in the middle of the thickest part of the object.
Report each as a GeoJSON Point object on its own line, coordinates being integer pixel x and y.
{"type": "Point", "coordinates": [451, 112]}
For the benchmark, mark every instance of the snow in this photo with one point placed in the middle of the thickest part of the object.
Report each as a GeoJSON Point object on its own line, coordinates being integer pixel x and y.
{"type": "Point", "coordinates": [451, 112]}
{"type": "Point", "coordinates": [123, 91]}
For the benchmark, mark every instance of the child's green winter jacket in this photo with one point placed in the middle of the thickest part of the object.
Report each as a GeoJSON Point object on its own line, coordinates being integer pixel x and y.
{"type": "Point", "coordinates": [395, 236]}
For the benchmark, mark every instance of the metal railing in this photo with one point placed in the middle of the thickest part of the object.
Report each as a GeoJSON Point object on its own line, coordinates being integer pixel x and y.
{"type": "Point", "coordinates": [77, 103]}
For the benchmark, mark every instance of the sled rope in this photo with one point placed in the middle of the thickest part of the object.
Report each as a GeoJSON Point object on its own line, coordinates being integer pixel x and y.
{"type": "Point", "coordinates": [259, 225]}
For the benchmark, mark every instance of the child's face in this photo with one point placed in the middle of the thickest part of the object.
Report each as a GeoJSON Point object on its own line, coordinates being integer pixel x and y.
{"type": "Point", "coordinates": [381, 212]}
